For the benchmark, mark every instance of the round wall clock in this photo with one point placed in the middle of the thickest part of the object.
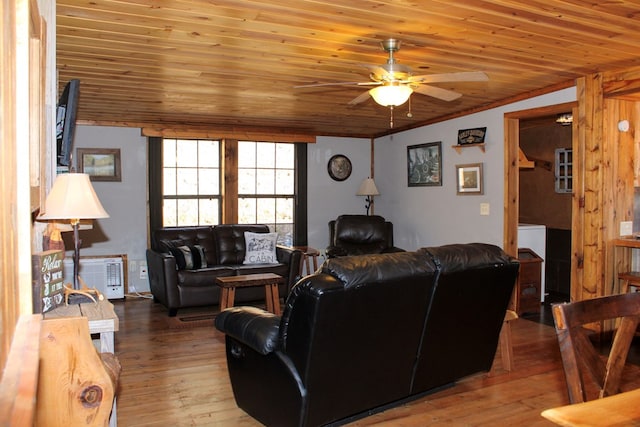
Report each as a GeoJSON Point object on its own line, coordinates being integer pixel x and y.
{"type": "Point", "coordinates": [339, 167]}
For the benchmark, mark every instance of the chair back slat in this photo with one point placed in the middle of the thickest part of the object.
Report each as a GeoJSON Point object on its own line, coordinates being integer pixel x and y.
{"type": "Point", "coordinates": [580, 359]}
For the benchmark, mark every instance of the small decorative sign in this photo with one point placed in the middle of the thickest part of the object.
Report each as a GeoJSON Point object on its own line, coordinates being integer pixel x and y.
{"type": "Point", "coordinates": [471, 136]}
{"type": "Point", "coordinates": [48, 290]}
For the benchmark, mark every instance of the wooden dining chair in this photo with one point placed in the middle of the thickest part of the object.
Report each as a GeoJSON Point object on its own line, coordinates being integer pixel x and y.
{"type": "Point", "coordinates": [580, 358]}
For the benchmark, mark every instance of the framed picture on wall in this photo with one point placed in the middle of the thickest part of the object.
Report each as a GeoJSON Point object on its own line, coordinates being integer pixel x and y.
{"type": "Point", "coordinates": [469, 179]}
{"type": "Point", "coordinates": [101, 164]}
{"type": "Point", "coordinates": [424, 164]}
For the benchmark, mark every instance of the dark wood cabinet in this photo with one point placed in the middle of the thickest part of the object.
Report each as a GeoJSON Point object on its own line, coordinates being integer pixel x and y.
{"type": "Point", "coordinates": [527, 291]}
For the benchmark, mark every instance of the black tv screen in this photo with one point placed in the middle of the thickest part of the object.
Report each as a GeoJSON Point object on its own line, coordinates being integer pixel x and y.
{"type": "Point", "coordinates": [66, 121]}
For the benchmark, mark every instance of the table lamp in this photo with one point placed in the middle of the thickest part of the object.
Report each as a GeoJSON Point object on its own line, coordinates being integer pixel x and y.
{"type": "Point", "coordinates": [368, 188]}
{"type": "Point", "coordinates": [73, 198]}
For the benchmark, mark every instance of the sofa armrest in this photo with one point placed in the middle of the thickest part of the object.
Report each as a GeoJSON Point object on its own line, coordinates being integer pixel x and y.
{"type": "Point", "coordinates": [252, 326]}
{"type": "Point", "coordinates": [163, 278]}
{"type": "Point", "coordinates": [393, 249]}
{"type": "Point", "coordinates": [293, 258]}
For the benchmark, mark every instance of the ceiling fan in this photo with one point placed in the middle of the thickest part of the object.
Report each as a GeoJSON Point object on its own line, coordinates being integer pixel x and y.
{"type": "Point", "coordinates": [394, 82]}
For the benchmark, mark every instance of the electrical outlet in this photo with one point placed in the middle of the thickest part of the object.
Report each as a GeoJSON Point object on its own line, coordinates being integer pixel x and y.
{"type": "Point", "coordinates": [626, 228]}
{"type": "Point", "coordinates": [143, 270]}
{"type": "Point", "coordinates": [484, 208]}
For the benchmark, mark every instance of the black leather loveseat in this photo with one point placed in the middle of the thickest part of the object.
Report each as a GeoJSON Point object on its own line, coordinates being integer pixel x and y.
{"type": "Point", "coordinates": [368, 332]}
{"type": "Point", "coordinates": [180, 286]}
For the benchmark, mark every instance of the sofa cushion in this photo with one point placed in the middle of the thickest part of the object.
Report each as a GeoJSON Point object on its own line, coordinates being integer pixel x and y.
{"type": "Point", "coordinates": [360, 234]}
{"type": "Point", "coordinates": [190, 257]}
{"type": "Point", "coordinates": [205, 277]}
{"type": "Point", "coordinates": [260, 248]}
{"type": "Point", "coordinates": [164, 238]}
{"type": "Point", "coordinates": [230, 244]}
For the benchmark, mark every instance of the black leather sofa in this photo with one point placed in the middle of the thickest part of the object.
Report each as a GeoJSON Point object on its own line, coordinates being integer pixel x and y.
{"type": "Point", "coordinates": [360, 235]}
{"type": "Point", "coordinates": [224, 249]}
{"type": "Point", "coordinates": [365, 333]}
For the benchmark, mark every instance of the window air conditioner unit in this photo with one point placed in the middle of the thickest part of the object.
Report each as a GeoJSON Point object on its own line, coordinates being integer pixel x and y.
{"type": "Point", "coordinates": [104, 274]}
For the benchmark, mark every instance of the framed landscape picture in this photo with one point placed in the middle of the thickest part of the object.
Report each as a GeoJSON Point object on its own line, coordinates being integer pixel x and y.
{"type": "Point", "coordinates": [424, 164]}
{"type": "Point", "coordinates": [101, 164]}
{"type": "Point", "coordinates": [469, 179]}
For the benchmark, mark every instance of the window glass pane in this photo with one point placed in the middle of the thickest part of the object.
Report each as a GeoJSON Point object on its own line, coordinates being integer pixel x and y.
{"type": "Point", "coordinates": [266, 155]}
{"type": "Point", "coordinates": [187, 212]}
{"type": "Point", "coordinates": [265, 210]}
{"type": "Point", "coordinates": [285, 234]}
{"type": "Point", "coordinates": [187, 181]}
{"type": "Point", "coordinates": [209, 181]}
{"type": "Point", "coordinates": [247, 210]}
{"type": "Point", "coordinates": [246, 181]}
{"type": "Point", "coordinates": [169, 152]}
{"type": "Point", "coordinates": [284, 181]}
{"type": "Point", "coordinates": [169, 181]}
{"type": "Point", "coordinates": [246, 154]}
{"type": "Point", "coordinates": [265, 181]}
{"type": "Point", "coordinates": [208, 154]}
{"type": "Point", "coordinates": [284, 209]}
{"type": "Point", "coordinates": [186, 153]}
{"type": "Point", "coordinates": [209, 211]}
{"type": "Point", "coordinates": [169, 207]}
{"type": "Point", "coordinates": [285, 157]}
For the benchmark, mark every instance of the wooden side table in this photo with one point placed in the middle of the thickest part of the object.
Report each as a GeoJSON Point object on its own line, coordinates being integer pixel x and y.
{"type": "Point", "coordinates": [102, 320]}
{"type": "Point", "coordinates": [270, 282]}
{"type": "Point", "coordinates": [101, 316]}
{"type": "Point", "coordinates": [308, 252]}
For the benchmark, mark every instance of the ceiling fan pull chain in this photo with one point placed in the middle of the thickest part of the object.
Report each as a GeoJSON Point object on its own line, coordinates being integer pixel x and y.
{"type": "Point", "coordinates": [391, 118]}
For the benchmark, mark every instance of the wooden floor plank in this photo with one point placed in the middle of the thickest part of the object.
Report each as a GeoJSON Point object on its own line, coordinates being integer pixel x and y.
{"type": "Point", "coordinates": [178, 377]}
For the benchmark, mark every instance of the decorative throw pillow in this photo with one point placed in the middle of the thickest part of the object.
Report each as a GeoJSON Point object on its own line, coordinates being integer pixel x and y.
{"type": "Point", "coordinates": [260, 248]}
{"type": "Point", "coordinates": [189, 257]}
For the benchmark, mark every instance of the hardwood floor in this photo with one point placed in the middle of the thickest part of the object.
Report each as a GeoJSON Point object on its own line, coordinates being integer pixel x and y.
{"type": "Point", "coordinates": [178, 377]}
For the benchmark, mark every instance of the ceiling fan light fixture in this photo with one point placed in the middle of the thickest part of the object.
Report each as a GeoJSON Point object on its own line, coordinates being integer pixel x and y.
{"type": "Point", "coordinates": [565, 119]}
{"type": "Point", "coordinates": [391, 95]}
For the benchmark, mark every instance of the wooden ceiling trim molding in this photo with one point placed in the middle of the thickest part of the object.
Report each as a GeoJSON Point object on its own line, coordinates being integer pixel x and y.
{"type": "Point", "coordinates": [227, 133]}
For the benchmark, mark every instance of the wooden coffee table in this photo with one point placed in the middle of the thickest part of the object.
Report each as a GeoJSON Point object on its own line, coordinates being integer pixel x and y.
{"type": "Point", "coordinates": [270, 282]}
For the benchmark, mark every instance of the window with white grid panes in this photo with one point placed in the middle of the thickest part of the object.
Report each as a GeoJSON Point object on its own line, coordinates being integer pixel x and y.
{"type": "Point", "coordinates": [266, 186]}
{"type": "Point", "coordinates": [190, 182]}
{"type": "Point", "coordinates": [564, 170]}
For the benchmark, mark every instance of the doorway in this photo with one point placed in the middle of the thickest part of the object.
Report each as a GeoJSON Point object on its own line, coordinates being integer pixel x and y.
{"type": "Point", "coordinates": [520, 127]}
{"type": "Point", "coordinates": [545, 184]}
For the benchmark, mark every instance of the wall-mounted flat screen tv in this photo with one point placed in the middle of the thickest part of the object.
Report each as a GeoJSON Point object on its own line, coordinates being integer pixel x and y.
{"type": "Point", "coordinates": [66, 121]}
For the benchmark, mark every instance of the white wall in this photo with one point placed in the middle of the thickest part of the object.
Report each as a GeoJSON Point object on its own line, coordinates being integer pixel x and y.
{"type": "Point", "coordinates": [125, 231]}
{"type": "Point", "coordinates": [430, 216]}
{"type": "Point", "coordinates": [328, 198]}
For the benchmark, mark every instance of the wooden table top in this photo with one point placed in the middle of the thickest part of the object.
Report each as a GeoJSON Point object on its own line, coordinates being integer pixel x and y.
{"type": "Point", "coordinates": [307, 250]}
{"type": "Point", "coordinates": [102, 317]}
{"type": "Point", "coordinates": [249, 280]}
{"type": "Point", "coordinates": [618, 410]}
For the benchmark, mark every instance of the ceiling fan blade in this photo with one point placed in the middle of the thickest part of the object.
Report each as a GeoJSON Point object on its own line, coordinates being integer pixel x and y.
{"type": "Point", "coordinates": [360, 98]}
{"type": "Point", "coordinates": [469, 76]}
{"type": "Point", "coordinates": [330, 84]}
{"type": "Point", "coordinates": [436, 92]}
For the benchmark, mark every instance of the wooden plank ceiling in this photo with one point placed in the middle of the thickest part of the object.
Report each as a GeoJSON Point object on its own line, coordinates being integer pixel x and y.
{"type": "Point", "coordinates": [233, 64]}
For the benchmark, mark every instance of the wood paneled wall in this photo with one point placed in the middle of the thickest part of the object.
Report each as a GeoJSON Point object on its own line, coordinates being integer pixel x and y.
{"type": "Point", "coordinates": [21, 134]}
{"type": "Point", "coordinates": [604, 197]}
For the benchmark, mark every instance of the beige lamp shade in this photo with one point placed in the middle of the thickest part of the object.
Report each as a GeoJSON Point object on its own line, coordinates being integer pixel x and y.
{"type": "Point", "coordinates": [368, 188]}
{"type": "Point", "coordinates": [73, 197]}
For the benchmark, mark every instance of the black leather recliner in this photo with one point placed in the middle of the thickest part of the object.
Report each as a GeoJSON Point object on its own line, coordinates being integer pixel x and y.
{"type": "Point", "coordinates": [365, 333]}
{"type": "Point", "coordinates": [360, 235]}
